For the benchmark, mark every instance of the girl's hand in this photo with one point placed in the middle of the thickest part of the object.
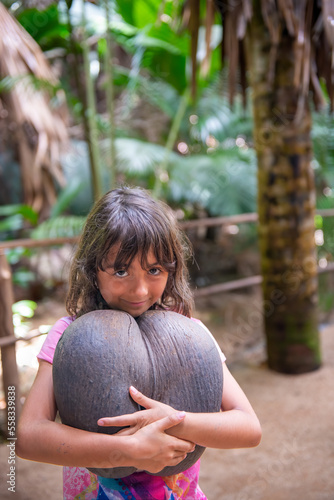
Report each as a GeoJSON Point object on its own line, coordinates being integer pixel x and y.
{"type": "Point", "coordinates": [139, 419]}
{"type": "Point", "coordinates": [152, 448]}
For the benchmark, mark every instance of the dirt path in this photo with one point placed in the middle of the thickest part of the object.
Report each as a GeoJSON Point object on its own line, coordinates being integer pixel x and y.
{"type": "Point", "coordinates": [295, 460]}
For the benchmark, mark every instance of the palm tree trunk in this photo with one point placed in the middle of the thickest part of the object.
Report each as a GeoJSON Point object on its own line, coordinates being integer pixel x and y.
{"type": "Point", "coordinates": [286, 204]}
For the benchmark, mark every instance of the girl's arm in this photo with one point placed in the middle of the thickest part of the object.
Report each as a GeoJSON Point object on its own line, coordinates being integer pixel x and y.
{"type": "Point", "coordinates": [236, 426]}
{"type": "Point", "coordinates": [41, 439]}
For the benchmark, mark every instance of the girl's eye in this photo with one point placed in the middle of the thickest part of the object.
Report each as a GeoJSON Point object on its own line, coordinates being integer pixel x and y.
{"type": "Point", "coordinates": [154, 271]}
{"type": "Point", "coordinates": [121, 273]}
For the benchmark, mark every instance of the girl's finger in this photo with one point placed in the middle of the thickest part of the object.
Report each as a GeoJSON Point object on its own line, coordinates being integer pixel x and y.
{"type": "Point", "coordinates": [139, 398]}
{"type": "Point", "coordinates": [173, 419]}
{"type": "Point", "coordinates": [166, 423]}
{"type": "Point", "coordinates": [121, 420]}
{"type": "Point", "coordinates": [128, 431]}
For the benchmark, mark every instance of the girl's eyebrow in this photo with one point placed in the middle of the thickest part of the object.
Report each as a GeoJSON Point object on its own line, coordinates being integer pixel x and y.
{"type": "Point", "coordinates": [109, 265]}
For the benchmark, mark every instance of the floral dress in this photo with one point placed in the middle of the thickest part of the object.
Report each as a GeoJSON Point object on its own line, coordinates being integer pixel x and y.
{"type": "Point", "coordinates": [80, 484]}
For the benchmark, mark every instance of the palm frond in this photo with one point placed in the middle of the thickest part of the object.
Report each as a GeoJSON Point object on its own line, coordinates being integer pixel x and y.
{"type": "Point", "coordinates": [59, 227]}
{"type": "Point", "coordinates": [309, 23]}
{"type": "Point", "coordinates": [323, 144]}
{"type": "Point", "coordinates": [139, 157]}
{"type": "Point", "coordinates": [223, 183]}
{"type": "Point", "coordinates": [41, 129]}
{"type": "Point", "coordinates": [216, 118]}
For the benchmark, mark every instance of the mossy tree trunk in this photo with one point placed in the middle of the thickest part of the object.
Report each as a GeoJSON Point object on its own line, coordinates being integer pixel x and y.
{"type": "Point", "coordinates": [286, 204]}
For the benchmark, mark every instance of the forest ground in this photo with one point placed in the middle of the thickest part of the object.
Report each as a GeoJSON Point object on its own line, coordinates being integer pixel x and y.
{"type": "Point", "coordinates": [295, 460]}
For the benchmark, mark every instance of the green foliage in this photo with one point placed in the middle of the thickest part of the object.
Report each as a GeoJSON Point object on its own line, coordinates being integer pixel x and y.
{"type": "Point", "coordinates": [138, 157]}
{"type": "Point", "coordinates": [140, 13]}
{"type": "Point", "coordinates": [66, 196]}
{"type": "Point", "coordinates": [59, 227]}
{"type": "Point", "coordinates": [23, 311]}
{"type": "Point", "coordinates": [323, 149]}
{"type": "Point", "coordinates": [23, 277]}
{"type": "Point", "coordinates": [159, 50]}
{"type": "Point", "coordinates": [24, 308]}
{"type": "Point", "coordinates": [160, 94]}
{"type": "Point", "coordinates": [326, 297]}
{"type": "Point", "coordinates": [326, 225]}
{"type": "Point", "coordinates": [224, 182]}
{"type": "Point", "coordinates": [125, 9]}
{"type": "Point", "coordinates": [27, 212]}
{"type": "Point", "coordinates": [144, 13]}
{"type": "Point", "coordinates": [8, 83]}
{"type": "Point", "coordinates": [215, 116]}
{"type": "Point", "coordinates": [160, 55]}
{"type": "Point", "coordinates": [13, 217]}
{"type": "Point", "coordinates": [44, 26]}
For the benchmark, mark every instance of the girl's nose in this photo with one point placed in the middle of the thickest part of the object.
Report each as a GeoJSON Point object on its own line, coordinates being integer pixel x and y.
{"type": "Point", "coordinates": [139, 287]}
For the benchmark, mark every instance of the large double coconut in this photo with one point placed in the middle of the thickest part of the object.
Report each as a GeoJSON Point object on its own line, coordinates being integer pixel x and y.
{"type": "Point", "coordinates": [165, 355]}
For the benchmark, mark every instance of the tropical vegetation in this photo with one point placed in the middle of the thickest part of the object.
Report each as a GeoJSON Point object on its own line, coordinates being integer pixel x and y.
{"type": "Point", "coordinates": [149, 103]}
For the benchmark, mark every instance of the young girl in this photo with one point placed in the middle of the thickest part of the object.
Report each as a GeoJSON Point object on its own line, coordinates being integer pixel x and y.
{"type": "Point", "coordinates": [131, 257]}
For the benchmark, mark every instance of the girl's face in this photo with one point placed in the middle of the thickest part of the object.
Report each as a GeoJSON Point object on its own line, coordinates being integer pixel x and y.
{"type": "Point", "coordinates": [134, 289]}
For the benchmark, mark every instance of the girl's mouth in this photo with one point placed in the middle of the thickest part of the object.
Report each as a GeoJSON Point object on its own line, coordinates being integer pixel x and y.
{"type": "Point", "coordinates": [137, 304]}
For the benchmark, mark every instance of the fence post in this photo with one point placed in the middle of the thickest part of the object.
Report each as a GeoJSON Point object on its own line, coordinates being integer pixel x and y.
{"type": "Point", "coordinates": [10, 375]}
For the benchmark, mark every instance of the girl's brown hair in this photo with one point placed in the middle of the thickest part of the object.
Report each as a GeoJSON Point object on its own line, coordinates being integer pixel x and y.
{"type": "Point", "coordinates": [131, 219]}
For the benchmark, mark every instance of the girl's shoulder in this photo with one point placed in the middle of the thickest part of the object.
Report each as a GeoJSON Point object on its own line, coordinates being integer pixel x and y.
{"type": "Point", "coordinates": [48, 348]}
